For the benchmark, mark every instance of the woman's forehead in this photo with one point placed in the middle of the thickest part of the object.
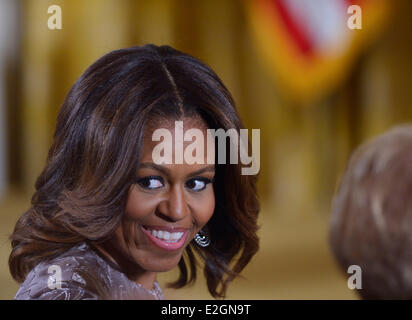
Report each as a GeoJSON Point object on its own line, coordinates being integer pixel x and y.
{"type": "Point", "coordinates": [158, 122]}
{"type": "Point", "coordinates": [176, 137]}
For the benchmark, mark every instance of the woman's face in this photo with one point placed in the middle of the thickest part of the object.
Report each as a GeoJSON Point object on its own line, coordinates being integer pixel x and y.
{"type": "Point", "coordinates": [167, 205]}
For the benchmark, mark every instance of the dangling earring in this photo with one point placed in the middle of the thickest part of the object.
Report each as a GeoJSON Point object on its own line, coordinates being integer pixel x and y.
{"type": "Point", "coordinates": [202, 239]}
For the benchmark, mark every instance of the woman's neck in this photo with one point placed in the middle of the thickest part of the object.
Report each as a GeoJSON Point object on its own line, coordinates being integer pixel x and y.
{"type": "Point", "coordinates": [147, 280]}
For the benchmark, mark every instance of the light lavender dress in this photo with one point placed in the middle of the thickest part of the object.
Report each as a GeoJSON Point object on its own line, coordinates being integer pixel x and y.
{"type": "Point", "coordinates": [84, 275]}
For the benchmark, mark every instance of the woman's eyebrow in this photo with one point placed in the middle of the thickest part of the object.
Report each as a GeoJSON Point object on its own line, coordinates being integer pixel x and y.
{"type": "Point", "coordinates": [166, 171]}
{"type": "Point", "coordinates": [155, 166]}
{"type": "Point", "coordinates": [209, 168]}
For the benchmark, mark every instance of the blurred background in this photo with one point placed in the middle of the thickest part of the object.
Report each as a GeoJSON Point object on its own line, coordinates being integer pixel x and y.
{"type": "Point", "coordinates": [315, 87]}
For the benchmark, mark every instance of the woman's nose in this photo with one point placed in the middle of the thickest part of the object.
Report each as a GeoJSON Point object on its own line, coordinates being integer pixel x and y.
{"type": "Point", "coordinates": [175, 207]}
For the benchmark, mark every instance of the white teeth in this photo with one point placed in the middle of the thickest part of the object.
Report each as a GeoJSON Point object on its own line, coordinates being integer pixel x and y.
{"type": "Point", "coordinates": [166, 235]}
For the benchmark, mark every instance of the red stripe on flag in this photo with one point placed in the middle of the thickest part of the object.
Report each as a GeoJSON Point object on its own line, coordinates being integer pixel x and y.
{"type": "Point", "coordinates": [276, 9]}
{"type": "Point", "coordinates": [299, 36]}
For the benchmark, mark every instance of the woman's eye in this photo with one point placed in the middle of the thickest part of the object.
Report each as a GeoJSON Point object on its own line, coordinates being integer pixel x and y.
{"type": "Point", "coordinates": [198, 184]}
{"type": "Point", "coordinates": [150, 182]}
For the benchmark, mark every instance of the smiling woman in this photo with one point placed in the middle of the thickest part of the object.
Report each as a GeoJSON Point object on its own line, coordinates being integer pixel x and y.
{"type": "Point", "coordinates": [105, 218]}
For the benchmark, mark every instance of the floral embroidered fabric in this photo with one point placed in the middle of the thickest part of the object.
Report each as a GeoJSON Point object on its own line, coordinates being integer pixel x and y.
{"type": "Point", "coordinates": [82, 274]}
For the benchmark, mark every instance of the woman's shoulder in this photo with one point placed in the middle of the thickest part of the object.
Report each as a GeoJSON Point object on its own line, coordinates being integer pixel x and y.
{"type": "Point", "coordinates": [64, 277]}
{"type": "Point", "coordinates": [81, 273]}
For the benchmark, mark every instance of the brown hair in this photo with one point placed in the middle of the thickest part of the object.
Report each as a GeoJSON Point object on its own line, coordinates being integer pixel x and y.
{"type": "Point", "coordinates": [371, 219]}
{"type": "Point", "coordinates": [82, 191]}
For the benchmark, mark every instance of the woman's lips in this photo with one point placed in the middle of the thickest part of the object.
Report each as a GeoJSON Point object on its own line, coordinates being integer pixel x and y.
{"type": "Point", "coordinates": [166, 238]}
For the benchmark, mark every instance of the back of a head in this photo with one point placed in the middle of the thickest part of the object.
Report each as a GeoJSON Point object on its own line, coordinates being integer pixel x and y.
{"type": "Point", "coordinates": [371, 220]}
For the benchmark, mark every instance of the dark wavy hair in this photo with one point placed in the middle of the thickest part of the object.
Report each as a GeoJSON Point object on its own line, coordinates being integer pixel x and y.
{"type": "Point", "coordinates": [82, 192]}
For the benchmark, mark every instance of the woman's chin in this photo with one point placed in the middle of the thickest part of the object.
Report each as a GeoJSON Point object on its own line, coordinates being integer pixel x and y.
{"type": "Point", "coordinates": [159, 264]}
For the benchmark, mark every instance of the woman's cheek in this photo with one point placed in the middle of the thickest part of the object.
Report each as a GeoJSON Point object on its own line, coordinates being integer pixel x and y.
{"type": "Point", "coordinates": [140, 204]}
{"type": "Point", "coordinates": [204, 207]}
